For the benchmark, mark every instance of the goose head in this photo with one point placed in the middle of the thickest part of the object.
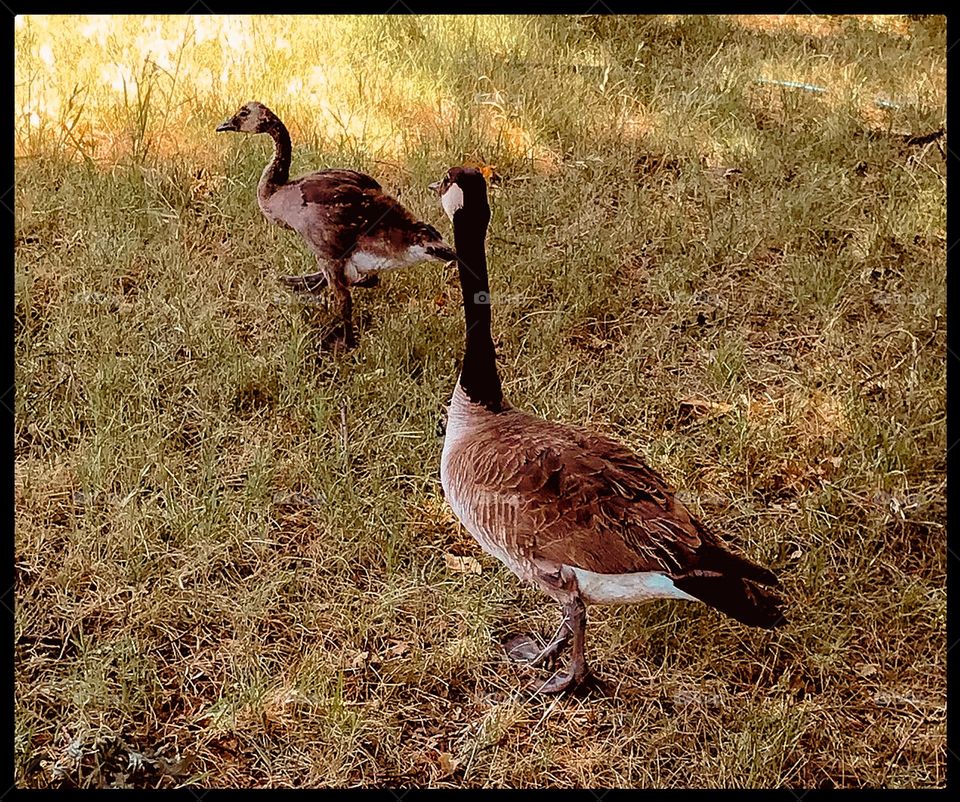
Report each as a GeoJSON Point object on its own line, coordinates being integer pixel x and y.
{"type": "Point", "coordinates": [251, 118]}
{"type": "Point", "coordinates": [463, 194]}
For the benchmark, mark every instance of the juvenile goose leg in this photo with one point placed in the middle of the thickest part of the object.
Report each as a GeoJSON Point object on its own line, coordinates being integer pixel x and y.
{"type": "Point", "coordinates": [314, 282]}
{"type": "Point", "coordinates": [341, 292]}
{"type": "Point", "coordinates": [575, 614]}
{"type": "Point", "coordinates": [311, 282]}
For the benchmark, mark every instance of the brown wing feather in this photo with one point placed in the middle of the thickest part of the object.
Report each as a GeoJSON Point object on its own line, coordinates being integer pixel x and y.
{"type": "Point", "coordinates": [362, 180]}
{"type": "Point", "coordinates": [338, 176]}
{"type": "Point", "coordinates": [587, 501]}
{"type": "Point", "coordinates": [345, 214]}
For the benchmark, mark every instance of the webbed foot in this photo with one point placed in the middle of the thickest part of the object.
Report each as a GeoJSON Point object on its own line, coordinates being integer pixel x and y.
{"type": "Point", "coordinates": [312, 283]}
{"type": "Point", "coordinates": [526, 649]}
{"type": "Point", "coordinates": [565, 680]}
{"type": "Point", "coordinates": [367, 280]}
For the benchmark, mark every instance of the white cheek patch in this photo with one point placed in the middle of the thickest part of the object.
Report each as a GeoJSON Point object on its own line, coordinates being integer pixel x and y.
{"type": "Point", "coordinates": [452, 200]}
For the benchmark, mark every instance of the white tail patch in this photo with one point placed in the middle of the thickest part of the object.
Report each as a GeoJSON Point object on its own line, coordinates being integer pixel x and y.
{"type": "Point", "coordinates": [627, 588]}
{"type": "Point", "coordinates": [452, 200]}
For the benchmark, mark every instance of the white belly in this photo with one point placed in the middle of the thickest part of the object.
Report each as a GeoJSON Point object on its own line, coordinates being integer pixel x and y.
{"type": "Point", "coordinates": [464, 512]}
{"type": "Point", "coordinates": [459, 502]}
{"type": "Point", "coordinates": [627, 588]}
{"type": "Point", "coordinates": [362, 262]}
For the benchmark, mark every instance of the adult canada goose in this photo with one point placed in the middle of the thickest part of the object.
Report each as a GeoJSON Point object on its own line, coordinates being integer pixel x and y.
{"type": "Point", "coordinates": [575, 513]}
{"type": "Point", "coordinates": [353, 228]}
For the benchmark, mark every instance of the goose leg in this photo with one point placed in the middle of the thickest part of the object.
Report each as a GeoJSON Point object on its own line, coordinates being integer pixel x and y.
{"type": "Point", "coordinates": [553, 578]}
{"type": "Point", "coordinates": [314, 282]}
{"type": "Point", "coordinates": [311, 283]}
{"type": "Point", "coordinates": [575, 615]}
{"type": "Point", "coordinates": [341, 292]}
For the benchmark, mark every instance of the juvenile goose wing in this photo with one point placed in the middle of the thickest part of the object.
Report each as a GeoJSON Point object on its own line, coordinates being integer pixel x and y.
{"type": "Point", "coordinates": [337, 175]}
{"type": "Point", "coordinates": [345, 212]}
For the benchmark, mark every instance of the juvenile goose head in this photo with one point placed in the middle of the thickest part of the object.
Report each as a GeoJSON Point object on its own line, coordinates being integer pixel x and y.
{"type": "Point", "coordinates": [251, 118]}
{"type": "Point", "coordinates": [572, 512]}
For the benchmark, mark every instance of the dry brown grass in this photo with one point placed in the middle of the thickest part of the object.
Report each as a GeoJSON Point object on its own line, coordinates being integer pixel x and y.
{"type": "Point", "coordinates": [233, 563]}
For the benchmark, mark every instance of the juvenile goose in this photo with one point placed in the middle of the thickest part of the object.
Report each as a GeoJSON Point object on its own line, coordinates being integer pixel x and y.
{"type": "Point", "coordinates": [574, 513]}
{"type": "Point", "coordinates": [353, 228]}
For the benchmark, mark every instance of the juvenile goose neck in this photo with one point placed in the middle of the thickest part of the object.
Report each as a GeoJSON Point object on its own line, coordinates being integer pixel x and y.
{"type": "Point", "coordinates": [277, 172]}
{"type": "Point", "coordinates": [478, 376]}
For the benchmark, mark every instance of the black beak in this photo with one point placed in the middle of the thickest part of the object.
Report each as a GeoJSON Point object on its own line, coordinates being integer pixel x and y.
{"type": "Point", "coordinates": [227, 125]}
{"type": "Point", "coordinates": [435, 186]}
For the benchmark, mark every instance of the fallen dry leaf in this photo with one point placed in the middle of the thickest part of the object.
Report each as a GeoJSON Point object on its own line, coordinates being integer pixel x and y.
{"type": "Point", "coordinates": [701, 408]}
{"type": "Point", "coordinates": [489, 170]}
{"type": "Point", "coordinates": [759, 409]}
{"type": "Point", "coordinates": [823, 414]}
{"type": "Point", "coordinates": [398, 649]}
{"type": "Point", "coordinates": [448, 764]}
{"type": "Point", "coordinates": [462, 565]}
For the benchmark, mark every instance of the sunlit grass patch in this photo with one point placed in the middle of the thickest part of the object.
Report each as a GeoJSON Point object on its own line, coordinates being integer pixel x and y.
{"type": "Point", "coordinates": [148, 77]}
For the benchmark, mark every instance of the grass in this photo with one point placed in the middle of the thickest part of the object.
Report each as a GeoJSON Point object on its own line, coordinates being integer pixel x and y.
{"type": "Point", "coordinates": [232, 553]}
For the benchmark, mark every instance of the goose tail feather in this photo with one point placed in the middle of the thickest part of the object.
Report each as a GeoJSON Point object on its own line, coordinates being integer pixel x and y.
{"type": "Point", "coordinates": [739, 597]}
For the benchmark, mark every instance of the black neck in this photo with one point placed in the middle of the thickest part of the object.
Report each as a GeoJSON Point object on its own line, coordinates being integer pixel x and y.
{"type": "Point", "coordinates": [478, 377]}
{"type": "Point", "coordinates": [278, 171]}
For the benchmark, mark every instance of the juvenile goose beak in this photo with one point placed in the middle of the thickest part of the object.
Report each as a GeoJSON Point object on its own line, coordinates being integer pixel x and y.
{"type": "Point", "coordinates": [227, 125]}
{"type": "Point", "coordinates": [435, 186]}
